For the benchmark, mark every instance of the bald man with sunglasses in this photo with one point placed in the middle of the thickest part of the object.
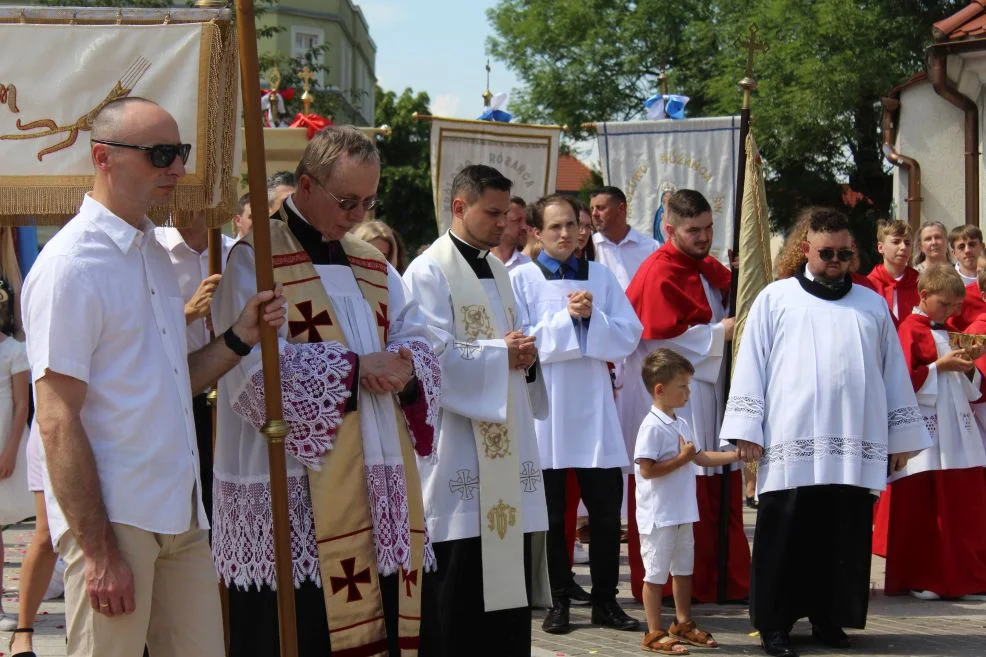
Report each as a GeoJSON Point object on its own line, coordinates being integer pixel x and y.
{"type": "Point", "coordinates": [113, 383]}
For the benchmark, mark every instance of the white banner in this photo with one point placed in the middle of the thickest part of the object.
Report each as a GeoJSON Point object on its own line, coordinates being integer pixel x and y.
{"type": "Point", "coordinates": [52, 97]}
{"type": "Point", "coordinates": [526, 154]}
{"type": "Point", "coordinates": [650, 159]}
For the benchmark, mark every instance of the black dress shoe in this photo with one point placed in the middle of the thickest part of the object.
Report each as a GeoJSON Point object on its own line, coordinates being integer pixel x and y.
{"type": "Point", "coordinates": [833, 637]}
{"type": "Point", "coordinates": [609, 614]}
{"type": "Point", "coordinates": [556, 622]}
{"type": "Point", "coordinates": [777, 643]}
{"type": "Point", "coordinates": [578, 595]}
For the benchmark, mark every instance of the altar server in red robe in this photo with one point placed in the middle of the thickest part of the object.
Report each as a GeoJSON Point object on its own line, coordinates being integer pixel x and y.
{"type": "Point", "coordinates": [894, 279]}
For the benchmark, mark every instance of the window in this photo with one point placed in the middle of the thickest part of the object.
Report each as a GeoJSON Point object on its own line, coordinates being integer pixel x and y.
{"type": "Point", "coordinates": [303, 39]}
{"type": "Point", "coordinates": [345, 67]}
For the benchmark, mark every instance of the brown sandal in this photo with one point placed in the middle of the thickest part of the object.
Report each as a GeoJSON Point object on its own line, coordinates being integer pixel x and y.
{"type": "Point", "coordinates": [652, 643]}
{"type": "Point", "coordinates": [689, 633]}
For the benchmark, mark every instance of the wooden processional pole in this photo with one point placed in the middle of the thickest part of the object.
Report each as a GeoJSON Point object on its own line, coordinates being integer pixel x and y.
{"type": "Point", "coordinates": [275, 429]}
{"type": "Point", "coordinates": [747, 84]}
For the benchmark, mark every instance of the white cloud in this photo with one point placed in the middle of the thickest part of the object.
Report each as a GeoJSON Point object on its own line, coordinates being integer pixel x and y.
{"type": "Point", "coordinates": [446, 105]}
{"type": "Point", "coordinates": [382, 13]}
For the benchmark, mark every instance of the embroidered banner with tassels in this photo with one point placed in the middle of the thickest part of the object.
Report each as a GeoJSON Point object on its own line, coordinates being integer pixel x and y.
{"type": "Point", "coordinates": [183, 59]}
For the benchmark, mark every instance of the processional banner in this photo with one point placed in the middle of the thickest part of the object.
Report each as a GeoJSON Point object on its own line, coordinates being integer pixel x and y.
{"type": "Point", "coordinates": [73, 62]}
{"type": "Point", "coordinates": [526, 154]}
{"type": "Point", "coordinates": [649, 160]}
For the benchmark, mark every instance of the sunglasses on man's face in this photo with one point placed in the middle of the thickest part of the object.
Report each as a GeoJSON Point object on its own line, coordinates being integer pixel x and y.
{"type": "Point", "coordinates": [828, 255]}
{"type": "Point", "coordinates": [347, 203]}
{"type": "Point", "coordinates": [161, 155]}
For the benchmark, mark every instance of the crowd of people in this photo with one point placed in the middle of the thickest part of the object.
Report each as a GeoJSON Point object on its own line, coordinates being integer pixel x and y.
{"type": "Point", "coordinates": [542, 371]}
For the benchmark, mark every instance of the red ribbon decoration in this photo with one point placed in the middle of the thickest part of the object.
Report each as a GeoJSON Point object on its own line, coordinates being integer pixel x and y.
{"type": "Point", "coordinates": [313, 122]}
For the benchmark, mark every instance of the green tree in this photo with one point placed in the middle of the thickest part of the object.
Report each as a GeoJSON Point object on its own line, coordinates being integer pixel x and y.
{"type": "Point", "coordinates": [816, 112]}
{"type": "Point", "coordinates": [406, 201]}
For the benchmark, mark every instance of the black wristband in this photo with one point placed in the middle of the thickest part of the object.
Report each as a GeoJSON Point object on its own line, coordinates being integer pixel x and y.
{"type": "Point", "coordinates": [234, 343]}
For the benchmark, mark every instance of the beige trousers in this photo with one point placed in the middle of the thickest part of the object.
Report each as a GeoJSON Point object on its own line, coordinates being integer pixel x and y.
{"type": "Point", "coordinates": [177, 610]}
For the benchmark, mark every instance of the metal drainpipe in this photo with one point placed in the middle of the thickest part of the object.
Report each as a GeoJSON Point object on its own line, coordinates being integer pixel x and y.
{"type": "Point", "coordinates": [891, 108]}
{"type": "Point", "coordinates": [947, 90]}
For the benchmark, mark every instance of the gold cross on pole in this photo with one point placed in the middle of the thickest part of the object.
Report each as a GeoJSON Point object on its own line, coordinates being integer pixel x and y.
{"type": "Point", "coordinates": [306, 75]}
{"type": "Point", "coordinates": [752, 47]}
{"type": "Point", "coordinates": [487, 95]}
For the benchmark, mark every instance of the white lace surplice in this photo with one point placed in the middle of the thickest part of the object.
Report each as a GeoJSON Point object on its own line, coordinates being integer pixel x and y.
{"type": "Point", "coordinates": [824, 388]}
{"type": "Point", "coordinates": [314, 380]}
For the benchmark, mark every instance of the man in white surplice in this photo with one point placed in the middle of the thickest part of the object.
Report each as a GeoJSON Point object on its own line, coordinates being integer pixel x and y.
{"type": "Point", "coordinates": [483, 490]}
{"type": "Point", "coordinates": [582, 320]}
{"type": "Point", "coordinates": [821, 398]}
{"type": "Point", "coordinates": [324, 382]}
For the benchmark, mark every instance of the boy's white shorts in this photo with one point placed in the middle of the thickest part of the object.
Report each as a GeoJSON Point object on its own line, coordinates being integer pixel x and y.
{"type": "Point", "coordinates": [667, 550]}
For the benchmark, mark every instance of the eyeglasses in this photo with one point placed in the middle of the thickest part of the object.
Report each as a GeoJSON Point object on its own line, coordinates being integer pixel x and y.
{"type": "Point", "coordinates": [162, 155]}
{"type": "Point", "coordinates": [843, 255]}
{"type": "Point", "coordinates": [349, 204]}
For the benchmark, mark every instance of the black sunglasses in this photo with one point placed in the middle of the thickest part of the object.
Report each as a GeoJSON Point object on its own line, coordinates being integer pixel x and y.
{"type": "Point", "coordinates": [162, 155]}
{"type": "Point", "coordinates": [828, 255]}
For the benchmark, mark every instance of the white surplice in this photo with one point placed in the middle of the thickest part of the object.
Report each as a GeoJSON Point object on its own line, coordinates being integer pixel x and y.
{"type": "Point", "coordinates": [583, 429]}
{"type": "Point", "coordinates": [824, 388]}
{"type": "Point", "coordinates": [944, 399]}
{"type": "Point", "coordinates": [242, 525]}
{"type": "Point", "coordinates": [475, 380]}
{"type": "Point", "coordinates": [704, 346]}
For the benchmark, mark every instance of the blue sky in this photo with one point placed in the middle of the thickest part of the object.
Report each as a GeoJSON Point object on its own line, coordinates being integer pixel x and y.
{"type": "Point", "coordinates": [436, 46]}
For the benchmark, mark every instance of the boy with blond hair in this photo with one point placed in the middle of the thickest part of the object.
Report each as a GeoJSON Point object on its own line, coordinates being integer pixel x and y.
{"type": "Point", "coordinates": [931, 519]}
{"type": "Point", "coordinates": [894, 279]}
{"type": "Point", "coordinates": [667, 504]}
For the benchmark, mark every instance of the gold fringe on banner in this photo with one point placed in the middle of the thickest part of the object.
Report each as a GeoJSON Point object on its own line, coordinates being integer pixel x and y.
{"type": "Point", "coordinates": [214, 187]}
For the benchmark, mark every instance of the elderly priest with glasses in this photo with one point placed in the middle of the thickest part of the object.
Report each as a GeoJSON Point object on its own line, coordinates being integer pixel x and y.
{"type": "Point", "coordinates": [360, 388]}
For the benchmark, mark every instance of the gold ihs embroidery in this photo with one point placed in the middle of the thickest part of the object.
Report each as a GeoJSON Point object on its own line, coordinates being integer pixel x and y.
{"type": "Point", "coordinates": [501, 516]}
{"type": "Point", "coordinates": [476, 322]}
{"type": "Point", "coordinates": [496, 439]}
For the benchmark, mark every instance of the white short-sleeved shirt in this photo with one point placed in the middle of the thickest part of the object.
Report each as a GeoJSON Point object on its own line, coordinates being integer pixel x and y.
{"type": "Point", "coordinates": [671, 499]}
{"type": "Point", "coordinates": [101, 305]}
{"type": "Point", "coordinates": [191, 268]}
{"type": "Point", "coordinates": [624, 258]}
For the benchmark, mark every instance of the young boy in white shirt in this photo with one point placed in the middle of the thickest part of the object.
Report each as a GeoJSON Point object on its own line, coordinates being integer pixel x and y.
{"type": "Point", "coordinates": [666, 502]}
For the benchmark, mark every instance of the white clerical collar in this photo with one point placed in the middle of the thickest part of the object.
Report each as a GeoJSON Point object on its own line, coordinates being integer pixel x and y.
{"type": "Point", "coordinates": [662, 416]}
{"type": "Point", "coordinates": [478, 253]}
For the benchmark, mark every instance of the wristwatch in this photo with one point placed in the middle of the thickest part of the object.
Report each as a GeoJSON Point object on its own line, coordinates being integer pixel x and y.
{"type": "Point", "coordinates": [236, 345]}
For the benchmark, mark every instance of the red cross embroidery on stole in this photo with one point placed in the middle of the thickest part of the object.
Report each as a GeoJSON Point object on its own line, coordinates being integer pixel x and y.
{"type": "Point", "coordinates": [382, 320]}
{"type": "Point", "coordinates": [309, 323]}
{"type": "Point", "coordinates": [351, 580]}
{"type": "Point", "coordinates": [410, 580]}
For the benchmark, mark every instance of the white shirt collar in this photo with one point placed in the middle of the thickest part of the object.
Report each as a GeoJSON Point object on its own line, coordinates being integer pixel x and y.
{"type": "Point", "coordinates": [121, 233]}
{"type": "Point", "coordinates": [662, 416]}
{"type": "Point", "coordinates": [632, 237]}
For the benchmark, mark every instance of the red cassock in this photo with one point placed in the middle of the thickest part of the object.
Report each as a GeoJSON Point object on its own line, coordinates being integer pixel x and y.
{"type": "Point", "coordinates": [972, 307]}
{"type": "Point", "coordinates": [931, 526]}
{"type": "Point", "coordinates": [907, 289]}
{"type": "Point", "coordinates": [669, 298]}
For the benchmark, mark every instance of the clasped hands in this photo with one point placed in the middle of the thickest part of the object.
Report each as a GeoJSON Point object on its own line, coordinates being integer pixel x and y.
{"type": "Point", "coordinates": [580, 304]}
{"type": "Point", "coordinates": [521, 350]}
{"type": "Point", "coordinates": [386, 371]}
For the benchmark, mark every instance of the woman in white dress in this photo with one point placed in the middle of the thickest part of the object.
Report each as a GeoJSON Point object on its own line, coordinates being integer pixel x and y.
{"type": "Point", "coordinates": [16, 502]}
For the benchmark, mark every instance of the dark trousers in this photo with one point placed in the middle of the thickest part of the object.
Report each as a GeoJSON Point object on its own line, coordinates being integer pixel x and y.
{"type": "Point", "coordinates": [202, 414]}
{"type": "Point", "coordinates": [602, 492]}
{"type": "Point", "coordinates": [454, 621]}
{"type": "Point", "coordinates": [254, 630]}
{"type": "Point", "coordinates": [811, 557]}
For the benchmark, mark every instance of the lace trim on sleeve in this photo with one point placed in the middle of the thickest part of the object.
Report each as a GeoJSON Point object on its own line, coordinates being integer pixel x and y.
{"type": "Point", "coordinates": [752, 407]}
{"type": "Point", "coordinates": [901, 417]}
{"type": "Point", "coordinates": [818, 447]}
{"type": "Point", "coordinates": [316, 380]}
{"type": "Point", "coordinates": [422, 416]}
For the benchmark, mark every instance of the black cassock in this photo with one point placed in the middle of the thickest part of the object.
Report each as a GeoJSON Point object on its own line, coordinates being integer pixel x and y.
{"type": "Point", "coordinates": [811, 557]}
